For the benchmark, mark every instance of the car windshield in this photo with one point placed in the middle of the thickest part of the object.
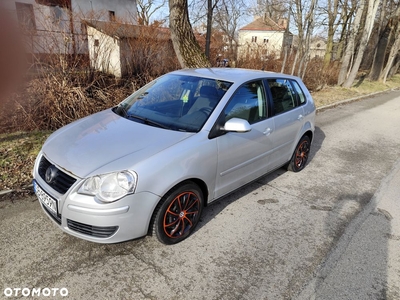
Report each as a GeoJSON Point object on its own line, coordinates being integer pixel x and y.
{"type": "Point", "coordinates": [175, 102]}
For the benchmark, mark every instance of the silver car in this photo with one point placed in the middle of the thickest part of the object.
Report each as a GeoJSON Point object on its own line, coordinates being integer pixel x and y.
{"type": "Point", "coordinates": [150, 164]}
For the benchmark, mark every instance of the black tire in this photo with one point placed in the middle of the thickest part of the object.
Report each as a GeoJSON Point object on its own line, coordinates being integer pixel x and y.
{"type": "Point", "coordinates": [178, 213]}
{"type": "Point", "coordinates": [300, 155]}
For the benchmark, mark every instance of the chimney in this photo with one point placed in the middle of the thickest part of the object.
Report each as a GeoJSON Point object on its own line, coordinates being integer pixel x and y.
{"type": "Point", "coordinates": [283, 23]}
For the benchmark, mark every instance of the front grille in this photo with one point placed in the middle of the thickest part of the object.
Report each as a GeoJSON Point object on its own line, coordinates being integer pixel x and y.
{"type": "Point", "coordinates": [55, 217]}
{"type": "Point", "coordinates": [60, 182]}
{"type": "Point", "coordinates": [95, 231]}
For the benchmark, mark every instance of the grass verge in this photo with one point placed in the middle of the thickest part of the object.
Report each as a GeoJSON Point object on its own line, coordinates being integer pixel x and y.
{"type": "Point", "coordinates": [18, 151]}
{"type": "Point", "coordinates": [334, 94]}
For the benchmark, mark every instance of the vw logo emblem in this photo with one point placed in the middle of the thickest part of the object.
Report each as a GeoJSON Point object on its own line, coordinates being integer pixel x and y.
{"type": "Point", "coordinates": [51, 174]}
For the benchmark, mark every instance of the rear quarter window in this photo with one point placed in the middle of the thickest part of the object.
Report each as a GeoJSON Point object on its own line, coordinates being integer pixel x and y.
{"type": "Point", "coordinates": [300, 95]}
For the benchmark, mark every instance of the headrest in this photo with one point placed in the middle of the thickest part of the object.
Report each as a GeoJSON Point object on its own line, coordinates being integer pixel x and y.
{"type": "Point", "coordinates": [208, 92]}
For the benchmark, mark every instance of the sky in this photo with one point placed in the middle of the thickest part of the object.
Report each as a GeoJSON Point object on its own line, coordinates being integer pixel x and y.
{"type": "Point", "coordinates": [163, 13]}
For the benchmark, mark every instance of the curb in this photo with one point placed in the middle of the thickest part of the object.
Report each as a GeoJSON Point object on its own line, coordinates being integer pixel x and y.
{"type": "Point", "coordinates": [333, 105]}
{"type": "Point", "coordinates": [25, 187]}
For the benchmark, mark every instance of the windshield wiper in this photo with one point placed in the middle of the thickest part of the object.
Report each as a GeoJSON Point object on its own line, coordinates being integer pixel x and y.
{"type": "Point", "coordinates": [147, 121]}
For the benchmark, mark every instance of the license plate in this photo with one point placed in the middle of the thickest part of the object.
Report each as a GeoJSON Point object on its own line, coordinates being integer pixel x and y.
{"type": "Point", "coordinates": [46, 200]}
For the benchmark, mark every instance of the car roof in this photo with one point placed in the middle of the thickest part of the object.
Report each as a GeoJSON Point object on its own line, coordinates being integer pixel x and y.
{"type": "Point", "coordinates": [231, 74]}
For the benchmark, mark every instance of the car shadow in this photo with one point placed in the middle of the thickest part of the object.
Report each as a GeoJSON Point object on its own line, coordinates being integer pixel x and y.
{"type": "Point", "coordinates": [216, 207]}
{"type": "Point", "coordinates": [319, 137]}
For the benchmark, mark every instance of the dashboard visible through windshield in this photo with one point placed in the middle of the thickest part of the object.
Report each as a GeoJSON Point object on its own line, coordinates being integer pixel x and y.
{"type": "Point", "coordinates": [175, 102]}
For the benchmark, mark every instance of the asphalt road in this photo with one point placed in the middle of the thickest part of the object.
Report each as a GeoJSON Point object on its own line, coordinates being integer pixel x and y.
{"type": "Point", "coordinates": [267, 241]}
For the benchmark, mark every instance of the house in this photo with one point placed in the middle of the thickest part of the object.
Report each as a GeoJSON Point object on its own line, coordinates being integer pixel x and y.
{"type": "Point", "coordinates": [317, 48]}
{"type": "Point", "coordinates": [121, 49]}
{"type": "Point", "coordinates": [55, 26]}
{"type": "Point", "coordinates": [262, 38]}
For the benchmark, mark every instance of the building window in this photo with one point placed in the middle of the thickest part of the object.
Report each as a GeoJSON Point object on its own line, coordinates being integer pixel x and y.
{"type": "Point", "coordinates": [111, 15]}
{"type": "Point", "coordinates": [26, 16]}
{"type": "Point", "coordinates": [96, 43]}
{"type": "Point", "coordinates": [254, 39]}
{"type": "Point", "coordinates": [57, 14]}
{"type": "Point", "coordinates": [84, 29]}
{"type": "Point", "coordinates": [266, 40]}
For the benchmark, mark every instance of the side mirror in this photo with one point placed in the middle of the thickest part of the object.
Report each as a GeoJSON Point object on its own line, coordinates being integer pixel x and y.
{"type": "Point", "coordinates": [237, 125]}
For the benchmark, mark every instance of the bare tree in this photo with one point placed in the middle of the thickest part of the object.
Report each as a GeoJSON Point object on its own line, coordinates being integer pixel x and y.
{"type": "Point", "coordinates": [385, 35]}
{"type": "Point", "coordinates": [186, 47]}
{"type": "Point", "coordinates": [394, 51]}
{"type": "Point", "coordinates": [347, 12]}
{"type": "Point", "coordinates": [285, 41]}
{"type": "Point", "coordinates": [332, 8]}
{"type": "Point", "coordinates": [210, 11]}
{"type": "Point", "coordinates": [146, 9]}
{"type": "Point", "coordinates": [274, 9]}
{"type": "Point", "coordinates": [227, 19]}
{"type": "Point", "coordinates": [305, 29]}
{"type": "Point", "coordinates": [368, 12]}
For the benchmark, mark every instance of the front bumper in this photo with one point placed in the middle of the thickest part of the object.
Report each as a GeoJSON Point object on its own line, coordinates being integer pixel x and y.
{"type": "Point", "coordinates": [86, 218]}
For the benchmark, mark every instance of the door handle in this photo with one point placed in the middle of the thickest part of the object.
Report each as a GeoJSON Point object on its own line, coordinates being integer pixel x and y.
{"type": "Point", "coordinates": [300, 117]}
{"type": "Point", "coordinates": [267, 131]}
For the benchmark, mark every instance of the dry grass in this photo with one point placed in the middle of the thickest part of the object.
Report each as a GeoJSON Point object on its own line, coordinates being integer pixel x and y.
{"type": "Point", "coordinates": [334, 94]}
{"type": "Point", "coordinates": [18, 151]}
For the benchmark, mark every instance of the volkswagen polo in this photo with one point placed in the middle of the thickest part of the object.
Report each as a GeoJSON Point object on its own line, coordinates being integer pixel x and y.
{"type": "Point", "coordinates": [150, 164]}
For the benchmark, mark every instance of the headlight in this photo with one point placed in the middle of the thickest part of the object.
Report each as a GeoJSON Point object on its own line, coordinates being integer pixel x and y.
{"type": "Point", "coordinates": [110, 187]}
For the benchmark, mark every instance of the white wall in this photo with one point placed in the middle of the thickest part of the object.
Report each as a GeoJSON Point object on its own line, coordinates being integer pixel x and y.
{"type": "Point", "coordinates": [272, 47]}
{"type": "Point", "coordinates": [104, 52]}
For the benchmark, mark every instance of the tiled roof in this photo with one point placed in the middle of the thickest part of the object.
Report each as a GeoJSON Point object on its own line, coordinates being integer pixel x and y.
{"type": "Point", "coordinates": [61, 3]}
{"type": "Point", "coordinates": [263, 24]}
{"type": "Point", "coordinates": [121, 30]}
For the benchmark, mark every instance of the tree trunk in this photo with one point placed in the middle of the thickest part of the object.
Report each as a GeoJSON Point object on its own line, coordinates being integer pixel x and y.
{"type": "Point", "coordinates": [369, 22]}
{"type": "Point", "coordinates": [332, 13]}
{"type": "Point", "coordinates": [346, 21]}
{"type": "Point", "coordinates": [349, 51]}
{"type": "Point", "coordinates": [395, 31]}
{"type": "Point", "coordinates": [395, 67]}
{"type": "Point", "coordinates": [309, 31]}
{"type": "Point", "coordinates": [298, 17]}
{"type": "Point", "coordinates": [187, 49]}
{"type": "Point", "coordinates": [209, 27]}
{"type": "Point", "coordinates": [380, 53]}
{"type": "Point", "coordinates": [393, 54]}
{"type": "Point", "coordinates": [369, 16]}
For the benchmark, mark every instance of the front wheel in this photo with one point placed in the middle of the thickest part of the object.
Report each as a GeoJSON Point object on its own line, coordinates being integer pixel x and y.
{"type": "Point", "coordinates": [178, 214]}
{"type": "Point", "coordinates": [300, 155]}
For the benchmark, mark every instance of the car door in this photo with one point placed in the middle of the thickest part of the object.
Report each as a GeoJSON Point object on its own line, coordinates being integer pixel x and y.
{"type": "Point", "coordinates": [242, 157]}
{"type": "Point", "coordinates": [288, 119]}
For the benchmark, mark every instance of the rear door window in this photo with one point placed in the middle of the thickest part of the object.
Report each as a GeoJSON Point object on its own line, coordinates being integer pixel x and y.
{"type": "Point", "coordinates": [284, 97]}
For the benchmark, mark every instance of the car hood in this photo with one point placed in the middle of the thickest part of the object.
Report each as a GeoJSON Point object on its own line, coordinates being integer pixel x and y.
{"type": "Point", "coordinates": [86, 145]}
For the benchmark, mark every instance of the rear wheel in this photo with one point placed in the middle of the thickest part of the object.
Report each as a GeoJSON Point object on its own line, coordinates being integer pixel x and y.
{"type": "Point", "coordinates": [178, 214]}
{"type": "Point", "coordinates": [300, 155]}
